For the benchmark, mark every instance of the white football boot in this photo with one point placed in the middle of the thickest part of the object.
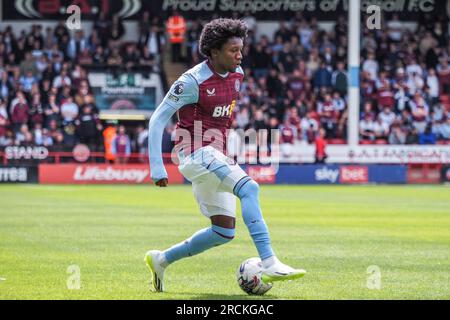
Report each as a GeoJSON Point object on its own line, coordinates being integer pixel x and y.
{"type": "Point", "coordinates": [153, 260]}
{"type": "Point", "coordinates": [281, 272]}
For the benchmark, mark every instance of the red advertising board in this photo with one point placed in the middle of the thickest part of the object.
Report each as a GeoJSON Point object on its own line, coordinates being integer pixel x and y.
{"type": "Point", "coordinates": [419, 174]}
{"type": "Point", "coordinates": [354, 174]}
{"type": "Point", "coordinates": [262, 175]}
{"type": "Point", "coordinates": [102, 174]}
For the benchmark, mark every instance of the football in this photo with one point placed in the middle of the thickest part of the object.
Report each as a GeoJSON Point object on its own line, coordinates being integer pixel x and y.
{"type": "Point", "coordinates": [249, 277]}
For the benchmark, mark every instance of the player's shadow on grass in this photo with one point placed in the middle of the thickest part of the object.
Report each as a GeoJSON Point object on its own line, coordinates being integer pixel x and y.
{"type": "Point", "coordinates": [214, 296]}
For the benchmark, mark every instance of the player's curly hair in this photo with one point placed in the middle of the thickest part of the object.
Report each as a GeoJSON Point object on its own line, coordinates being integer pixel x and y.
{"type": "Point", "coordinates": [217, 32]}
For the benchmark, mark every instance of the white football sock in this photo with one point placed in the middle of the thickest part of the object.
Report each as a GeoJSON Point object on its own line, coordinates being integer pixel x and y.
{"type": "Point", "coordinates": [267, 263]}
{"type": "Point", "coordinates": [162, 260]}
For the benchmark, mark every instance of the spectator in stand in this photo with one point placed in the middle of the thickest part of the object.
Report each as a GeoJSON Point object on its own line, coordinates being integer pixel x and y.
{"type": "Point", "coordinates": [116, 31]}
{"type": "Point", "coordinates": [309, 128]}
{"type": "Point", "coordinates": [321, 145]}
{"type": "Point", "coordinates": [412, 138]}
{"type": "Point", "coordinates": [130, 58]}
{"type": "Point", "coordinates": [420, 112]}
{"type": "Point", "coordinates": [38, 134]}
{"type": "Point", "coordinates": [261, 61]}
{"type": "Point", "coordinates": [22, 135]}
{"type": "Point", "coordinates": [428, 136]}
{"type": "Point", "coordinates": [61, 31]}
{"type": "Point", "coordinates": [62, 80]}
{"type": "Point", "coordinates": [322, 78]}
{"type": "Point", "coordinates": [395, 28]}
{"type": "Point", "coordinates": [141, 142]}
{"type": "Point", "coordinates": [381, 130]}
{"type": "Point", "coordinates": [192, 36]}
{"type": "Point", "coordinates": [387, 116]}
{"type": "Point", "coordinates": [99, 56]}
{"type": "Point", "coordinates": [168, 139]}
{"type": "Point", "coordinates": [121, 146]}
{"type": "Point", "coordinates": [147, 62]}
{"type": "Point", "coordinates": [51, 111]}
{"type": "Point", "coordinates": [176, 28]}
{"type": "Point", "coordinates": [19, 111]}
{"type": "Point", "coordinates": [88, 127]}
{"type": "Point", "coordinates": [339, 104]}
{"type": "Point", "coordinates": [77, 44]}
{"type": "Point", "coordinates": [339, 79]}
{"type": "Point", "coordinates": [102, 25]}
{"type": "Point", "coordinates": [366, 128]}
{"type": "Point", "coordinates": [397, 135]}
{"type": "Point", "coordinates": [28, 65]}
{"type": "Point", "coordinates": [444, 129]}
{"type": "Point", "coordinates": [58, 144]}
{"type": "Point", "coordinates": [115, 59]}
{"type": "Point", "coordinates": [69, 110]}
{"type": "Point", "coordinates": [27, 81]}
{"type": "Point", "coordinates": [108, 137]}
{"type": "Point", "coordinates": [154, 41]}
{"type": "Point", "coordinates": [444, 75]}
{"type": "Point", "coordinates": [328, 116]}
{"type": "Point", "coordinates": [433, 84]}
{"type": "Point", "coordinates": [288, 135]}
{"type": "Point", "coordinates": [295, 84]}
{"type": "Point", "coordinates": [371, 66]}
{"type": "Point", "coordinates": [4, 119]}
{"type": "Point", "coordinates": [5, 86]}
{"type": "Point", "coordinates": [385, 96]}
{"type": "Point", "coordinates": [36, 111]}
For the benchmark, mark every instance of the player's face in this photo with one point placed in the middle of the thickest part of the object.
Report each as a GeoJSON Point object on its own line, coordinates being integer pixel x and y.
{"type": "Point", "coordinates": [230, 57]}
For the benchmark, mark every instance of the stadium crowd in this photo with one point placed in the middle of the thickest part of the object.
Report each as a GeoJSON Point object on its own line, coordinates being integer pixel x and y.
{"type": "Point", "coordinates": [45, 95]}
{"type": "Point", "coordinates": [295, 81]}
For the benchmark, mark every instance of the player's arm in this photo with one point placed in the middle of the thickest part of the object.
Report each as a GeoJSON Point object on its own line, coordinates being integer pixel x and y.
{"type": "Point", "coordinates": [183, 92]}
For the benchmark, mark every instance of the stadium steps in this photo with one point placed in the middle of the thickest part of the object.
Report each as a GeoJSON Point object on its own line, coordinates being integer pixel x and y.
{"type": "Point", "coordinates": [173, 70]}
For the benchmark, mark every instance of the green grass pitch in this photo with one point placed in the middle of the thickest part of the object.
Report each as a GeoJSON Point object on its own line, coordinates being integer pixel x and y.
{"type": "Point", "coordinates": [335, 233]}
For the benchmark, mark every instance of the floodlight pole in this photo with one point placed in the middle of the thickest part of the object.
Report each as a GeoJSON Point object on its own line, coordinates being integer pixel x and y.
{"type": "Point", "coordinates": [354, 31]}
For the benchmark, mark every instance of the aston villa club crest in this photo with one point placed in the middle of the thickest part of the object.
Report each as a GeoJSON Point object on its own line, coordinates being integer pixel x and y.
{"type": "Point", "coordinates": [237, 85]}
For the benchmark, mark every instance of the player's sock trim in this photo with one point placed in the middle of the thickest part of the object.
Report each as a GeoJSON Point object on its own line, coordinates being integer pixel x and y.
{"type": "Point", "coordinates": [227, 233]}
{"type": "Point", "coordinates": [240, 184]}
{"type": "Point", "coordinates": [223, 236]}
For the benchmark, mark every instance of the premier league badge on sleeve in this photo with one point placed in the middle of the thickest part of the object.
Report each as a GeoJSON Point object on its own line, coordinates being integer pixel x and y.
{"type": "Point", "coordinates": [178, 89]}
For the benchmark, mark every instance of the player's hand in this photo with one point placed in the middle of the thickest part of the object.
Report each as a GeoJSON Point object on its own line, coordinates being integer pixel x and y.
{"type": "Point", "coordinates": [162, 183]}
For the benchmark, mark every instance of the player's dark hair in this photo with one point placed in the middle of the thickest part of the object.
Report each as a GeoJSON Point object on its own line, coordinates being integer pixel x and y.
{"type": "Point", "coordinates": [217, 32]}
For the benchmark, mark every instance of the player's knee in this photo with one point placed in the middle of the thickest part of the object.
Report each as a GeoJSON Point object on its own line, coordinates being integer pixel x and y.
{"type": "Point", "coordinates": [250, 189]}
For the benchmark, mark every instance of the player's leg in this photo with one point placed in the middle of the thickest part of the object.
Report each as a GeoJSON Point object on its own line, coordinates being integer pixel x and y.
{"type": "Point", "coordinates": [220, 207]}
{"type": "Point", "coordinates": [247, 190]}
{"type": "Point", "coordinates": [235, 180]}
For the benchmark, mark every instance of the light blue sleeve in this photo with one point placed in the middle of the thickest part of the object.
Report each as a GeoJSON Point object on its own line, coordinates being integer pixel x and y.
{"type": "Point", "coordinates": [183, 92]}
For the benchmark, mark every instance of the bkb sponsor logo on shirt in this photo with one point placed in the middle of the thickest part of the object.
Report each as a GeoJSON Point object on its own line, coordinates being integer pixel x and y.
{"type": "Point", "coordinates": [354, 174]}
{"type": "Point", "coordinates": [224, 111]}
